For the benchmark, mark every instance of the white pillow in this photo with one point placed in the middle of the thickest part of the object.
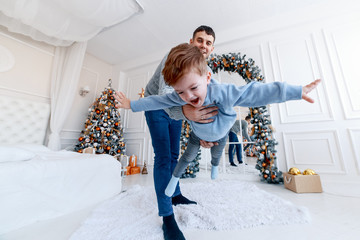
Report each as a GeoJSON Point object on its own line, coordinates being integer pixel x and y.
{"type": "Point", "coordinates": [12, 154]}
{"type": "Point", "coordinates": [32, 147]}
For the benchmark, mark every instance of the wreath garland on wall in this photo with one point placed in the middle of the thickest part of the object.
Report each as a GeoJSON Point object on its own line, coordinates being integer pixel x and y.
{"type": "Point", "coordinates": [265, 143]}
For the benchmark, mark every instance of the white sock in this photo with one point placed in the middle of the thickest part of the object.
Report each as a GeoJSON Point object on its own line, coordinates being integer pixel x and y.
{"type": "Point", "coordinates": [170, 189]}
{"type": "Point", "coordinates": [214, 172]}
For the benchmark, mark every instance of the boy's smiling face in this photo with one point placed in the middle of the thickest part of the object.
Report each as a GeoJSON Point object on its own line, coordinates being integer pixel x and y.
{"type": "Point", "coordinates": [192, 88]}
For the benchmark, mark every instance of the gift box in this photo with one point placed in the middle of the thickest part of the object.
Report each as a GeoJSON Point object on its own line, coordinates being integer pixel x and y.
{"type": "Point", "coordinates": [135, 170]}
{"type": "Point", "coordinates": [128, 170]}
{"type": "Point", "coordinates": [302, 183]}
{"type": "Point", "coordinates": [133, 161]}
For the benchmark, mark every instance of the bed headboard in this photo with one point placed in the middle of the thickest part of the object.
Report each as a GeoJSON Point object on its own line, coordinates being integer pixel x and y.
{"type": "Point", "coordinates": [23, 121]}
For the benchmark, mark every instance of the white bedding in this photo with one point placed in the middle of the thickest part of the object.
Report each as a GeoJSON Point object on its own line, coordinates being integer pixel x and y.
{"type": "Point", "coordinates": [53, 184]}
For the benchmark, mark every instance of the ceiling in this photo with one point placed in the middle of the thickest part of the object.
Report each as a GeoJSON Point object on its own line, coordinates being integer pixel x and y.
{"type": "Point", "coordinates": [146, 37]}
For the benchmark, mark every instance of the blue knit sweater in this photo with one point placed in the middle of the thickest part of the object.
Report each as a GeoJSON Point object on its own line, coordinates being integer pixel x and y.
{"type": "Point", "coordinates": [225, 97]}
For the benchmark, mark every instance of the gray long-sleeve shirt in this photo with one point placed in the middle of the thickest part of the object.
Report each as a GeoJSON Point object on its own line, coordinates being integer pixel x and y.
{"type": "Point", "coordinates": [244, 129]}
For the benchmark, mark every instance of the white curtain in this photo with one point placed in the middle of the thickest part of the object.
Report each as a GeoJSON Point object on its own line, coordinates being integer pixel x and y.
{"type": "Point", "coordinates": [66, 70]}
{"type": "Point", "coordinates": [63, 22]}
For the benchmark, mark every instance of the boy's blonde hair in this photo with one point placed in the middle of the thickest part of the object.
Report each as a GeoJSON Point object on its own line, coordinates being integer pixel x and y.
{"type": "Point", "coordinates": [181, 60]}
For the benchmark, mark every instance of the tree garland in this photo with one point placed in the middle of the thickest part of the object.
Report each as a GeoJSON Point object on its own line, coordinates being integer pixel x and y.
{"type": "Point", "coordinates": [265, 143]}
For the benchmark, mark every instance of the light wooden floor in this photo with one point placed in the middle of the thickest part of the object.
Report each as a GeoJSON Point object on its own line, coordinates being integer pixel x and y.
{"type": "Point", "coordinates": [334, 216]}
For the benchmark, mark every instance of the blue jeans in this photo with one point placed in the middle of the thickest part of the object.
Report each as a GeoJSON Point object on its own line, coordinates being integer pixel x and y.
{"type": "Point", "coordinates": [252, 139]}
{"type": "Point", "coordinates": [165, 135]}
{"type": "Point", "coordinates": [234, 147]}
{"type": "Point", "coordinates": [191, 151]}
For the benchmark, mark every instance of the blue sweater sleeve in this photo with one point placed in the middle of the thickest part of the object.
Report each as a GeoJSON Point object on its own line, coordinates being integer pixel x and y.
{"type": "Point", "coordinates": [258, 94]}
{"type": "Point", "coordinates": [156, 102]}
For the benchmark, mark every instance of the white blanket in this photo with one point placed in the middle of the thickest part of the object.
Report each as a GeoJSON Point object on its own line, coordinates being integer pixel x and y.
{"type": "Point", "coordinates": [54, 184]}
{"type": "Point", "coordinates": [222, 205]}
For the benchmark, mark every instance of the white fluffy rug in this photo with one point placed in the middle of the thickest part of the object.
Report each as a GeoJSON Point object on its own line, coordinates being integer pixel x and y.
{"type": "Point", "coordinates": [222, 205]}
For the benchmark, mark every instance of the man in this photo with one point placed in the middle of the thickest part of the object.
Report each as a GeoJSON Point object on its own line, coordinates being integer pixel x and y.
{"type": "Point", "coordinates": [233, 138]}
{"type": "Point", "coordinates": [165, 131]}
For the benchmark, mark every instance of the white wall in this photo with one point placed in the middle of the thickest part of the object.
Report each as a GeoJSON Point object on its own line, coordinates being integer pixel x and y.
{"type": "Point", "coordinates": [323, 136]}
{"type": "Point", "coordinates": [29, 78]}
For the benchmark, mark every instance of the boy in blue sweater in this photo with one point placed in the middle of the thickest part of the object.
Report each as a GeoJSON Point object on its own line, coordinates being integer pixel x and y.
{"type": "Point", "coordinates": [186, 71]}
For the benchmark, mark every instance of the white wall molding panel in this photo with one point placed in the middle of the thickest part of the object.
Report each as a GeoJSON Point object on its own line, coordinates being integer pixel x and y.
{"type": "Point", "coordinates": [355, 143]}
{"type": "Point", "coordinates": [135, 121]}
{"type": "Point", "coordinates": [136, 132]}
{"type": "Point", "coordinates": [294, 60]}
{"type": "Point", "coordinates": [25, 65]}
{"type": "Point", "coordinates": [344, 49]}
{"type": "Point", "coordinates": [318, 150]}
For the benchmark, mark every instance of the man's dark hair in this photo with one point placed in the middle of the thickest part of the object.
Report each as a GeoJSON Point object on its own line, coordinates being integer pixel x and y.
{"type": "Point", "coordinates": [247, 118]}
{"type": "Point", "coordinates": [207, 29]}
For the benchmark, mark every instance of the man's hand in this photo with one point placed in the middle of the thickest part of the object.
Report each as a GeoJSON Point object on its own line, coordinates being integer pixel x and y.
{"type": "Point", "coordinates": [206, 144]}
{"type": "Point", "coordinates": [123, 101]}
{"type": "Point", "coordinates": [308, 88]}
{"type": "Point", "coordinates": [200, 115]}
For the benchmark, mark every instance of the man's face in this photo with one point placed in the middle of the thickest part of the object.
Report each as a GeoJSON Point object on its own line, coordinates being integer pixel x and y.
{"type": "Point", "coordinates": [204, 42]}
{"type": "Point", "coordinates": [192, 88]}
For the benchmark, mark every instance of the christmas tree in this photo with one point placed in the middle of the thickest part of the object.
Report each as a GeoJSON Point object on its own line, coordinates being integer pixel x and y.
{"type": "Point", "coordinates": [103, 130]}
{"type": "Point", "coordinates": [265, 146]}
{"type": "Point", "coordinates": [184, 138]}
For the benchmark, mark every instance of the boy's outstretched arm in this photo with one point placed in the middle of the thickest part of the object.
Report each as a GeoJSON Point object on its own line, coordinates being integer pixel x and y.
{"type": "Point", "coordinates": [308, 88]}
{"type": "Point", "coordinates": [123, 101]}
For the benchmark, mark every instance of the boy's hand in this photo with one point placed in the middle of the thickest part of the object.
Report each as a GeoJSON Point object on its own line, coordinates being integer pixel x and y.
{"type": "Point", "coordinates": [123, 102]}
{"type": "Point", "coordinates": [308, 88]}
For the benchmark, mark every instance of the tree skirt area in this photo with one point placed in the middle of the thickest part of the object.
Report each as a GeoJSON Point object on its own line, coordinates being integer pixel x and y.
{"type": "Point", "coordinates": [222, 205]}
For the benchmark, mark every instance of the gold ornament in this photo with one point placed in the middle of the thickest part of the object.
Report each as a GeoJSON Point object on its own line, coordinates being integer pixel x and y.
{"type": "Point", "coordinates": [248, 74]}
{"type": "Point", "coordinates": [141, 94]}
{"type": "Point", "coordinates": [294, 171]}
{"type": "Point", "coordinates": [309, 172]}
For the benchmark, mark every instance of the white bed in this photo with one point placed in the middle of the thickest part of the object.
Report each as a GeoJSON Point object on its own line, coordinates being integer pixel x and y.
{"type": "Point", "coordinates": [38, 184]}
